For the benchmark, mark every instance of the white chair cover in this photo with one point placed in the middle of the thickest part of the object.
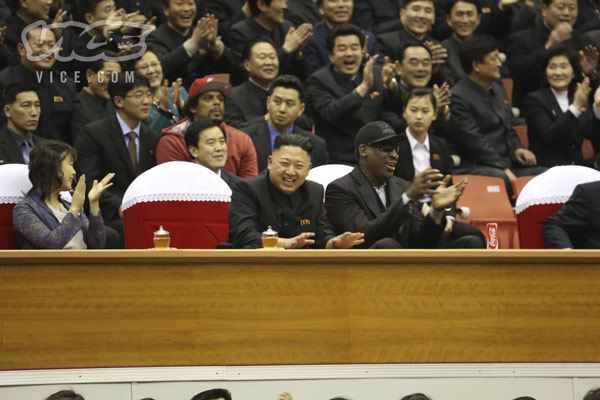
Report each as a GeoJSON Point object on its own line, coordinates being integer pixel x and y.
{"type": "Point", "coordinates": [554, 186]}
{"type": "Point", "coordinates": [325, 174]}
{"type": "Point", "coordinates": [14, 183]}
{"type": "Point", "coordinates": [176, 181]}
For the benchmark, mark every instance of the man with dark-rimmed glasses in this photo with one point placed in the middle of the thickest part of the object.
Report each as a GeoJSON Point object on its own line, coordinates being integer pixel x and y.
{"type": "Point", "coordinates": [370, 199]}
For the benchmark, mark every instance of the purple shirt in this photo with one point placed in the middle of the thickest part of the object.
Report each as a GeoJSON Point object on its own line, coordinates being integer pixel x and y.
{"type": "Point", "coordinates": [274, 133]}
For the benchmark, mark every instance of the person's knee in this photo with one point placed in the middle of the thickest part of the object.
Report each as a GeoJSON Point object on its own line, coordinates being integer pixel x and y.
{"type": "Point", "coordinates": [387, 243]}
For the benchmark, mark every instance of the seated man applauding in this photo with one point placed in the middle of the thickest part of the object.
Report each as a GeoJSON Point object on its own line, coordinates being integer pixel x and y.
{"type": "Point", "coordinates": [283, 199]}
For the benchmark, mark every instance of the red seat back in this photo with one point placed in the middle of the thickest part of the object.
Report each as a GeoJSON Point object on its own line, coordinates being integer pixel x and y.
{"type": "Point", "coordinates": [531, 222]}
{"type": "Point", "coordinates": [8, 239]}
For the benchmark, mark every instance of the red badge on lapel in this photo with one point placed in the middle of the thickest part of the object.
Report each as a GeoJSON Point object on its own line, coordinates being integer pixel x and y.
{"type": "Point", "coordinates": [304, 222]}
{"type": "Point", "coordinates": [58, 99]}
{"type": "Point", "coordinates": [435, 157]}
{"type": "Point", "coordinates": [374, 95]}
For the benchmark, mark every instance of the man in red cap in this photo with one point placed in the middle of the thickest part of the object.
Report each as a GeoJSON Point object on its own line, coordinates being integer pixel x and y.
{"type": "Point", "coordinates": [206, 99]}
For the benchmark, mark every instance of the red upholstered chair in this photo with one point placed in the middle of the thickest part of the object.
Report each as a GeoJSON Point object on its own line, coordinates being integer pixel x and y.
{"type": "Point", "coordinates": [519, 183]}
{"type": "Point", "coordinates": [488, 201]}
{"type": "Point", "coordinates": [543, 196]}
{"type": "Point", "coordinates": [325, 174]}
{"type": "Point", "coordinates": [14, 184]}
{"type": "Point", "coordinates": [187, 199]}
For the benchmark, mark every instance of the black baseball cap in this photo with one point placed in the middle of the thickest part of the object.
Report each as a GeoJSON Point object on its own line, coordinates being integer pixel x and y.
{"type": "Point", "coordinates": [375, 132]}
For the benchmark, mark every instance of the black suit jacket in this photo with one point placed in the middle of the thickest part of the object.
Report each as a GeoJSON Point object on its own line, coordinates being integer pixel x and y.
{"type": "Point", "coordinates": [177, 64]}
{"type": "Point", "coordinates": [339, 112]}
{"type": "Point", "coordinates": [555, 137]}
{"type": "Point", "coordinates": [301, 11]}
{"type": "Point", "coordinates": [101, 149]}
{"type": "Point", "coordinates": [88, 108]}
{"type": "Point", "coordinates": [9, 151]}
{"type": "Point", "coordinates": [259, 133]}
{"type": "Point", "coordinates": [256, 204]}
{"type": "Point", "coordinates": [353, 205]}
{"type": "Point", "coordinates": [526, 53]}
{"type": "Point", "coordinates": [577, 223]}
{"type": "Point", "coordinates": [228, 12]}
{"type": "Point", "coordinates": [439, 158]}
{"type": "Point", "coordinates": [230, 179]}
{"type": "Point", "coordinates": [378, 16]}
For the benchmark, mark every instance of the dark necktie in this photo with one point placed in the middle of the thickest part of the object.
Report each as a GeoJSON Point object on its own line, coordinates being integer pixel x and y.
{"type": "Point", "coordinates": [132, 148]}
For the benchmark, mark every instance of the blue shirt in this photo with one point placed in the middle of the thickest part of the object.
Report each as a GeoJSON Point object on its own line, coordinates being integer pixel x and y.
{"type": "Point", "coordinates": [274, 133]}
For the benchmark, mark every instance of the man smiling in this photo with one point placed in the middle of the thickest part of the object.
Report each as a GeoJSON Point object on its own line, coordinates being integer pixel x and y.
{"type": "Point", "coordinates": [463, 18]}
{"type": "Point", "coordinates": [283, 199]}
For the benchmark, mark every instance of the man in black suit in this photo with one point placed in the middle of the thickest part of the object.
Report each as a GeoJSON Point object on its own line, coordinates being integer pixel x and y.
{"type": "Point", "coordinates": [93, 102]}
{"type": "Point", "coordinates": [205, 140]}
{"type": "Point", "coordinates": [189, 51]}
{"type": "Point", "coordinates": [22, 111]}
{"type": "Point", "coordinates": [120, 143]}
{"type": "Point", "coordinates": [577, 223]}
{"type": "Point", "coordinates": [379, 16]}
{"type": "Point", "coordinates": [417, 17]}
{"type": "Point", "coordinates": [343, 97]}
{"type": "Point", "coordinates": [284, 200]}
{"type": "Point", "coordinates": [56, 91]}
{"type": "Point", "coordinates": [527, 49]}
{"type": "Point", "coordinates": [370, 199]}
{"type": "Point", "coordinates": [285, 103]}
{"type": "Point", "coordinates": [487, 143]}
{"type": "Point", "coordinates": [268, 21]}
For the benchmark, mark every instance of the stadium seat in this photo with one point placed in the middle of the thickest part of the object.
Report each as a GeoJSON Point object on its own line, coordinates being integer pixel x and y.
{"type": "Point", "coordinates": [487, 199]}
{"type": "Point", "coordinates": [543, 196]}
{"type": "Point", "coordinates": [325, 174]}
{"type": "Point", "coordinates": [187, 199]}
{"type": "Point", "coordinates": [14, 184]}
{"type": "Point", "coordinates": [519, 183]}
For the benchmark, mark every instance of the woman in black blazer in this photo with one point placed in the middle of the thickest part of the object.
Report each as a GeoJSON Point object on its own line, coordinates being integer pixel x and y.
{"type": "Point", "coordinates": [559, 115]}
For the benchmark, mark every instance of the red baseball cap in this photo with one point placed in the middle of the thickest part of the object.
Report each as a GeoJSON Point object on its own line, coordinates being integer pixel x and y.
{"type": "Point", "coordinates": [208, 83]}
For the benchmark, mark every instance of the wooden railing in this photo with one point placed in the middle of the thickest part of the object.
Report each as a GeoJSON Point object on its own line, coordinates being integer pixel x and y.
{"type": "Point", "coordinates": [68, 309]}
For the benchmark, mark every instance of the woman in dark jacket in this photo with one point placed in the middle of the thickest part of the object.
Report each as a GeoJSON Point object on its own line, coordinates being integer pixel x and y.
{"type": "Point", "coordinates": [559, 116]}
{"type": "Point", "coordinates": [42, 220]}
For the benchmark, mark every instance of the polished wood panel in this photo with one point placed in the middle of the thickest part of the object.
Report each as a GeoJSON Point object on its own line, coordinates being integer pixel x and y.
{"type": "Point", "coordinates": [66, 309]}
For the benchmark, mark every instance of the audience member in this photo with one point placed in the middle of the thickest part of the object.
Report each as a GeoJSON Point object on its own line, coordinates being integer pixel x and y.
{"type": "Point", "coordinates": [335, 13]}
{"type": "Point", "coordinates": [207, 100]}
{"type": "Point", "coordinates": [343, 98]}
{"type": "Point", "coordinates": [227, 12]}
{"type": "Point", "coordinates": [167, 102]}
{"type": "Point", "coordinates": [189, 51]}
{"type": "Point", "coordinates": [526, 49]}
{"type": "Point", "coordinates": [577, 223]}
{"type": "Point", "coordinates": [213, 394]}
{"type": "Point", "coordinates": [42, 220]}
{"type": "Point", "coordinates": [267, 20]}
{"type": "Point", "coordinates": [417, 17]}
{"type": "Point", "coordinates": [299, 12]}
{"type": "Point", "coordinates": [99, 36]}
{"type": "Point", "coordinates": [463, 17]}
{"type": "Point", "coordinates": [93, 102]}
{"type": "Point", "coordinates": [487, 143]}
{"type": "Point", "coordinates": [285, 103]}
{"type": "Point", "coordinates": [559, 116]}
{"type": "Point", "coordinates": [120, 143]}
{"type": "Point", "coordinates": [283, 199]}
{"type": "Point", "coordinates": [205, 140]}
{"type": "Point", "coordinates": [65, 395]}
{"type": "Point", "coordinates": [416, 396]}
{"type": "Point", "coordinates": [386, 208]}
{"type": "Point", "coordinates": [22, 111]}
{"type": "Point", "coordinates": [56, 92]}
{"type": "Point", "coordinates": [26, 12]}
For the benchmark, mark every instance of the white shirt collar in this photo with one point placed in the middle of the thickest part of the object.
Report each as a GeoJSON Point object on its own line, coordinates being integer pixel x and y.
{"type": "Point", "coordinates": [125, 128]}
{"type": "Point", "coordinates": [413, 142]}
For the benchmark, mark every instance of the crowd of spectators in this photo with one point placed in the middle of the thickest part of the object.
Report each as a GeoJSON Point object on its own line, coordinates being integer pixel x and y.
{"type": "Point", "coordinates": [127, 85]}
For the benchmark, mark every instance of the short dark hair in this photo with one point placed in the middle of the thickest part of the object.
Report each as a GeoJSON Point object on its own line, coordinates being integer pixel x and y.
{"type": "Point", "coordinates": [65, 395]}
{"type": "Point", "coordinates": [247, 49]}
{"type": "Point", "coordinates": [450, 5]}
{"type": "Point", "coordinates": [416, 396]}
{"type": "Point", "coordinates": [9, 95]}
{"type": "Point", "coordinates": [563, 49]}
{"type": "Point", "coordinates": [524, 398]}
{"type": "Point", "coordinates": [593, 394]}
{"type": "Point", "coordinates": [44, 173]}
{"type": "Point", "coordinates": [124, 85]}
{"type": "Point", "coordinates": [405, 3]}
{"type": "Point", "coordinates": [84, 7]}
{"type": "Point", "coordinates": [412, 44]}
{"type": "Point", "coordinates": [475, 48]}
{"type": "Point", "coordinates": [292, 139]}
{"type": "Point", "coordinates": [43, 28]}
{"type": "Point", "coordinates": [421, 92]}
{"type": "Point", "coordinates": [254, 10]}
{"type": "Point", "coordinates": [344, 30]}
{"type": "Point", "coordinates": [288, 82]}
{"type": "Point", "coordinates": [97, 65]}
{"type": "Point", "coordinates": [213, 394]}
{"type": "Point", "coordinates": [193, 132]}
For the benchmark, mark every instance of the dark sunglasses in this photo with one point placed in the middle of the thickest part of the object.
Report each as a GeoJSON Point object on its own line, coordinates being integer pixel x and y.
{"type": "Point", "coordinates": [383, 147]}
